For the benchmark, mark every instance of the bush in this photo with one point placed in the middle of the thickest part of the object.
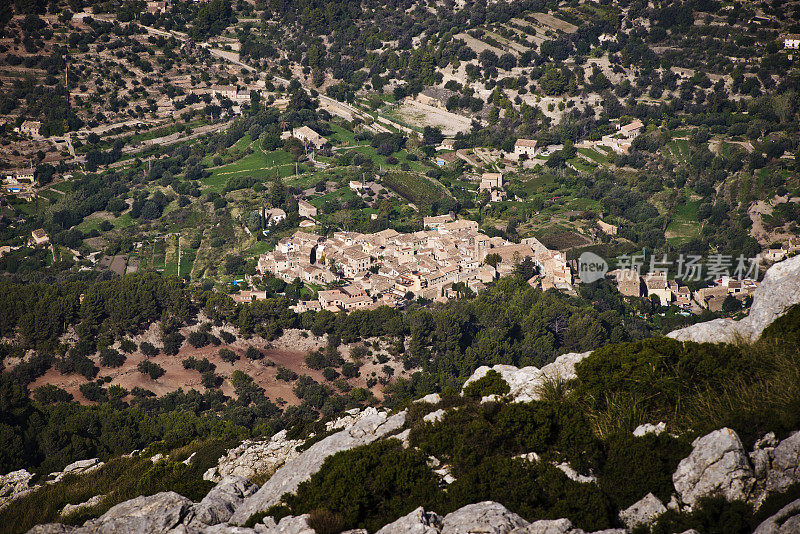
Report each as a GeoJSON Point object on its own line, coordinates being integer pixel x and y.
{"type": "Point", "coordinates": [369, 486]}
{"type": "Point", "coordinates": [330, 374]}
{"type": "Point", "coordinates": [148, 349]}
{"type": "Point", "coordinates": [211, 380]}
{"type": "Point", "coordinates": [491, 383]}
{"type": "Point", "coordinates": [172, 342]}
{"type": "Point", "coordinates": [111, 358]}
{"type": "Point", "coordinates": [198, 339]}
{"type": "Point", "coordinates": [127, 346]}
{"type": "Point", "coordinates": [227, 337]}
{"type": "Point", "coordinates": [253, 353]}
{"type": "Point", "coordinates": [51, 394]}
{"type": "Point", "coordinates": [93, 392]}
{"type": "Point", "coordinates": [152, 369]}
{"type": "Point", "coordinates": [286, 374]}
{"type": "Point", "coordinates": [228, 355]}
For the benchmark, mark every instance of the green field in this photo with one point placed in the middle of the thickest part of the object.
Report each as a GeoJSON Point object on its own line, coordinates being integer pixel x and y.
{"type": "Point", "coordinates": [594, 155]}
{"type": "Point", "coordinates": [685, 224]}
{"type": "Point", "coordinates": [414, 188]}
{"type": "Point", "coordinates": [258, 165]}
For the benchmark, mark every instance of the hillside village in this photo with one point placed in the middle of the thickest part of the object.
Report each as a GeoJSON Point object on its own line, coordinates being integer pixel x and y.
{"type": "Point", "coordinates": [385, 267]}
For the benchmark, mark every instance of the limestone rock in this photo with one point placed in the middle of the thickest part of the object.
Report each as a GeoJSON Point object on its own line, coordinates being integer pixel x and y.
{"type": "Point", "coordinates": [253, 458]}
{"type": "Point", "coordinates": [786, 521]}
{"type": "Point", "coordinates": [290, 525]}
{"type": "Point", "coordinates": [52, 528]}
{"type": "Point", "coordinates": [153, 514]}
{"type": "Point", "coordinates": [417, 522]}
{"type": "Point", "coordinates": [574, 475]}
{"type": "Point", "coordinates": [647, 428]}
{"type": "Point", "coordinates": [548, 526]}
{"type": "Point", "coordinates": [70, 508]}
{"type": "Point", "coordinates": [431, 398]}
{"type": "Point", "coordinates": [525, 383]}
{"type": "Point", "coordinates": [485, 517]}
{"type": "Point", "coordinates": [218, 505]}
{"type": "Point", "coordinates": [718, 463]}
{"type": "Point", "coordinates": [779, 290]}
{"type": "Point", "coordinates": [433, 417]}
{"type": "Point", "coordinates": [785, 469]}
{"type": "Point", "coordinates": [642, 512]}
{"type": "Point", "coordinates": [14, 485]}
{"type": "Point", "coordinates": [369, 428]}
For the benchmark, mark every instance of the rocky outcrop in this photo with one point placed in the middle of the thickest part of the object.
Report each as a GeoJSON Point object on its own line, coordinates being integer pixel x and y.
{"type": "Point", "coordinates": [434, 416]}
{"type": "Point", "coordinates": [218, 505]}
{"type": "Point", "coordinates": [779, 291]}
{"type": "Point", "coordinates": [647, 428]}
{"type": "Point", "coordinates": [14, 485]}
{"type": "Point", "coordinates": [371, 426]}
{"type": "Point", "coordinates": [642, 512]}
{"type": "Point", "coordinates": [784, 469]}
{"type": "Point", "coordinates": [559, 526]}
{"type": "Point", "coordinates": [253, 458]}
{"type": "Point", "coordinates": [80, 467]}
{"type": "Point", "coordinates": [786, 521]}
{"type": "Point", "coordinates": [71, 508]}
{"type": "Point", "coordinates": [154, 514]}
{"type": "Point", "coordinates": [417, 522]}
{"type": "Point", "coordinates": [287, 525]}
{"type": "Point", "coordinates": [525, 383]}
{"type": "Point", "coordinates": [718, 464]}
{"type": "Point", "coordinates": [485, 517]}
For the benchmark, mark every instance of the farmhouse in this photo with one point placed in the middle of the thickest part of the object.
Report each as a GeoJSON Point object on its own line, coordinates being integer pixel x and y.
{"type": "Point", "coordinates": [791, 41]}
{"type": "Point", "coordinates": [607, 228]}
{"type": "Point", "coordinates": [491, 180]}
{"type": "Point", "coordinates": [274, 216]}
{"type": "Point", "coordinates": [30, 128]}
{"type": "Point", "coordinates": [306, 209]}
{"type": "Point", "coordinates": [309, 137]}
{"type": "Point", "coordinates": [39, 237]}
{"type": "Point", "coordinates": [632, 129]}
{"type": "Point", "coordinates": [524, 149]}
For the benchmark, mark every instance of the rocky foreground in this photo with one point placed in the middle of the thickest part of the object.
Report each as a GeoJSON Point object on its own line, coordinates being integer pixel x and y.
{"type": "Point", "coordinates": [718, 465]}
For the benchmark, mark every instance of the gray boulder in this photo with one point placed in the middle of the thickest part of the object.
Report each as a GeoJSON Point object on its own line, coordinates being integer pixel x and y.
{"type": "Point", "coordinates": [785, 468]}
{"type": "Point", "coordinates": [417, 522]}
{"type": "Point", "coordinates": [14, 485]}
{"type": "Point", "coordinates": [218, 506]}
{"type": "Point", "coordinates": [485, 517]}
{"type": "Point", "coordinates": [152, 514]}
{"type": "Point", "coordinates": [779, 290]}
{"type": "Point", "coordinates": [718, 464]}
{"type": "Point", "coordinates": [786, 521]}
{"type": "Point", "coordinates": [52, 528]}
{"type": "Point", "coordinates": [548, 526]}
{"type": "Point", "coordinates": [289, 525]}
{"type": "Point", "coordinates": [370, 427]}
{"type": "Point", "coordinates": [70, 508]}
{"type": "Point", "coordinates": [642, 512]}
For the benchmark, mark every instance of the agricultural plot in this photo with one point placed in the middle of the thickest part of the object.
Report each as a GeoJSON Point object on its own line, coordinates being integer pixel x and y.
{"type": "Point", "coordinates": [685, 224]}
{"type": "Point", "coordinates": [415, 188]}
{"type": "Point", "coordinates": [258, 165]}
{"type": "Point", "coordinates": [595, 156]}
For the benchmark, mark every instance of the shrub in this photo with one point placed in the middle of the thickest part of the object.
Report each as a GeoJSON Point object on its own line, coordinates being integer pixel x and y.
{"type": "Point", "coordinates": [211, 380]}
{"type": "Point", "coordinates": [636, 466]}
{"type": "Point", "coordinates": [93, 392]}
{"type": "Point", "coordinates": [127, 346]}
{"type": "Point", "coordinates": [111, 358]}
{"type": "Point", "coordinates": [172, 342]}
{"type": "Point", "coordinates": [491, 383]}
{"type": "Point", "coordinates": [330, 374]}
{"type": "Point", "coordinates": [712, 515]}
{"type": "Point", "coordinates": [253, 353]}
{"type": "Point", "coordinates": [198, 339]}
{"type": "Point", "coordinates": [152, 369]}
{"type": "Point", "coordinates": [228, 355]}
{"type": "Point", "coordinates": [286, 374]}
{"type": "Point", "coordinates": [51, 394]}
{"type": "Point", "coordinates": [369, 486]}
{"type": "Point", "coordinates": [227, 337]}
{"type": "Point", "coordinates": [148, 349]}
